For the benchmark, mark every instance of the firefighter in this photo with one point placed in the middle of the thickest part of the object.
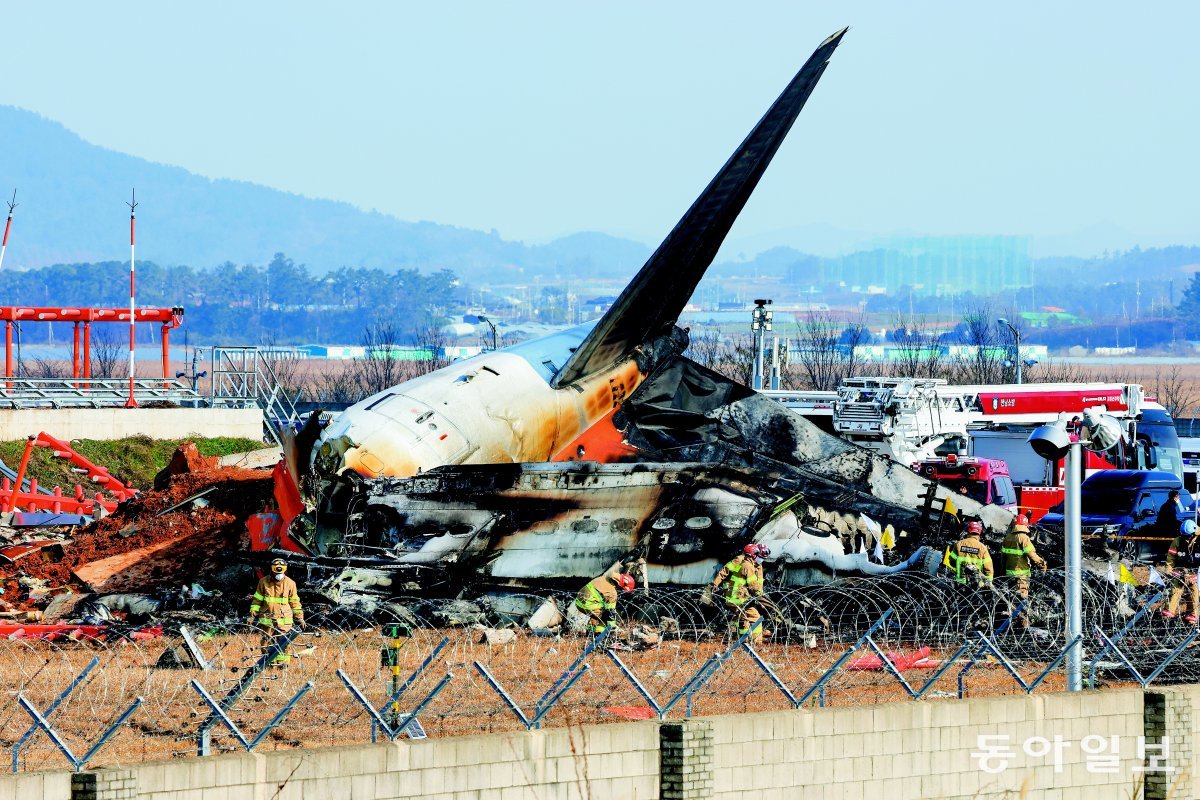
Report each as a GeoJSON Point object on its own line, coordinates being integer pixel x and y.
{"type": "Point", "coordinates": [275, 607]}
{"type": "Point", "coordinates": [742, 579]}
{"type": "Point", "coordinates": [1183, 558]}
{"type": "Point", "coordinates": [970, 558]}
{"type": "Point", "coordinates": [1018, 552]}
{"type": "Point", "coordinates": [598, 599]}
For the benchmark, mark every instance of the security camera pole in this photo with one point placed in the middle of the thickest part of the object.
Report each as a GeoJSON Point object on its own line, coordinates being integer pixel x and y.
{"type": "Point", "coordinates": [1073, 555]}
{"type": "Point", "coordinates": [760, 323]}
{"type": "Point", "coordinates": [1052, 442]}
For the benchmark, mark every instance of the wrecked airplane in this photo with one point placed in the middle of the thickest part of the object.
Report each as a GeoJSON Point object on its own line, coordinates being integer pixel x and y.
{"type": "Point", "coordinates": [552, 460]}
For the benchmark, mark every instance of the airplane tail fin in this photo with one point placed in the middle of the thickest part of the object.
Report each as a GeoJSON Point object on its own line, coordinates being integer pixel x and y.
{"type": "Point", "coordinates": [653, 300]}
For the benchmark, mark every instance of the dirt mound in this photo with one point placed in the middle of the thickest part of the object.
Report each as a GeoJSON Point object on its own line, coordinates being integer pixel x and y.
{"type": "Point", "coordinates": [186, 459]}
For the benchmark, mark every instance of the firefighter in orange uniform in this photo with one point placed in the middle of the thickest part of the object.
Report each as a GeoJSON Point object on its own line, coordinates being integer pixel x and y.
{"type": "Point", "coordinates": [1183, 560]}
{"type": "Point", "coordinates": [742, 579]}
{"type": "Point", "coordinates": [970, 559]}
{"type": "Point", "coordinates": [1019, 552]}
{"type": "Point", "coordinates": [598, 599]}
{"type": "Point", "coordinates": [275, 608]}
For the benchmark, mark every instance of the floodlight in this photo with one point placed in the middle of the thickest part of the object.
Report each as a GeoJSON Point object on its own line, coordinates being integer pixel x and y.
{"type": "Point", "coordinates": [1102, 430]}
{"type": "Point", "coordinates": [1051, 442]}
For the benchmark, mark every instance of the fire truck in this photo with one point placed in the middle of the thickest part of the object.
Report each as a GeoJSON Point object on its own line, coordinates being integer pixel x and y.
{"type": "Point", "coordinates": [985, 480]}
{"type": "Point", "coordinates": [922, 421]}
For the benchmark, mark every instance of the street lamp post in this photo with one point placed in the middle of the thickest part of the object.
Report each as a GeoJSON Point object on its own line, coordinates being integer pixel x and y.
{"type": "Point", "coordinates": [492, 325]}
{"type": "Point", "coordinates": [1017, 339]}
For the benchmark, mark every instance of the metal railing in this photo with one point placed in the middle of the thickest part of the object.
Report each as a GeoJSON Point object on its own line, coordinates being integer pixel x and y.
{"type": "Point", "coordinates": [91, 392]}
{"type": "Point", "coordinates": [243, 377]}
{"type": "Point", "coordinates": [211, 687]}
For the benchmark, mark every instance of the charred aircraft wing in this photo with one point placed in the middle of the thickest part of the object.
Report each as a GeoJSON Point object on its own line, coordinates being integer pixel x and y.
{"type": "Point", "coordinates": [653, 300]}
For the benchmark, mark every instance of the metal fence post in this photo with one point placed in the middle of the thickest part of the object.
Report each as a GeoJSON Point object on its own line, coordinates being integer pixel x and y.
{"type": "Point", "coordinates": [16, 754]}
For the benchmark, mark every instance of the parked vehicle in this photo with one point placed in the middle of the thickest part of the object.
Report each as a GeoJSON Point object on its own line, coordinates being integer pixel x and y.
{"type": "Point", "coordinates": [1120, 512]}
{"type": "Point", "coordinates": [983, 479]}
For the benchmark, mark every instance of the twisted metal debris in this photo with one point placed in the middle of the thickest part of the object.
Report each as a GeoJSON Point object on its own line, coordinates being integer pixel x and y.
{"type": "Point", "coordinates": [841, 644]}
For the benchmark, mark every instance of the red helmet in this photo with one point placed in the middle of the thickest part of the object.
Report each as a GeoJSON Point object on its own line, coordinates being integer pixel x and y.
{"type": "Point", "coordinates": [625, 582]}
{"type": "Point", "coordinates": [756, 550]}
{"type": "Point", "coordinates": [974, 526]}
{"type": "Point", "coordinates": [1022, 520]}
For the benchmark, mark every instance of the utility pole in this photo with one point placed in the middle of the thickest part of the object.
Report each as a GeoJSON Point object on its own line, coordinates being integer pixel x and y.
{"type": "Point", "coordinates": [4, 245]}
{"type": "Point", "coordinates": [131, 402]}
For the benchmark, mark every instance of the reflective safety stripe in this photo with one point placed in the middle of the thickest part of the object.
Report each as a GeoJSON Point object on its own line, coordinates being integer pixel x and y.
{"type": "Point", "coordinates": [1018, 572]}
{"type": "Point", "coordinates": [733, 594]}
{"type": "Point", "coordinates": [594, 600]}
{"type": "Point", "coordinates": [736, 584]}
{"type": "Point", "coordinates": [960, 560]}
{"type": "Point", "coordinates": [1009, 551]}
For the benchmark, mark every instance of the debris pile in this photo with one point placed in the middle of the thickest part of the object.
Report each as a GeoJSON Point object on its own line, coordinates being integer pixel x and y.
{"type": "Point", "coordinates": [177, 539]}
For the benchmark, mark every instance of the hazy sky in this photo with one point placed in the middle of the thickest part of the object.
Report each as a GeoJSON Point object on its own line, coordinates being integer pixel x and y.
{"type": "Point", "coordinates": [544, 118]}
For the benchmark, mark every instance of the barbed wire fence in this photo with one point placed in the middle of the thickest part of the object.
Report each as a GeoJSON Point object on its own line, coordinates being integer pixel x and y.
{"type": "Point", "coordinates": [444, 668]}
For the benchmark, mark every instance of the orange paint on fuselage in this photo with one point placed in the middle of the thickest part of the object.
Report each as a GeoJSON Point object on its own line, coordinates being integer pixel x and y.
{"type": "Point", "coordinates": [602, 443]}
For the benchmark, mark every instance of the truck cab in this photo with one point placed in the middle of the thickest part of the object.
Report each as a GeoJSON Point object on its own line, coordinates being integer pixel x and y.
{"type": "Point", "coordinates": [1120, 512]}
{"type": "Point", "coordinates": [985, 480]}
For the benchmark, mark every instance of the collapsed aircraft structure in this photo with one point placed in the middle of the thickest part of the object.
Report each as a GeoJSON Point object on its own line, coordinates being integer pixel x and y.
{"type": "Point", "coordinates": [550, 461]}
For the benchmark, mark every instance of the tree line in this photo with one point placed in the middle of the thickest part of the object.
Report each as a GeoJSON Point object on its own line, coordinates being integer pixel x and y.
{"type": "Point", "coordinates": [282, 302]}
{"type": "Point", "coordinates": [823, 350]}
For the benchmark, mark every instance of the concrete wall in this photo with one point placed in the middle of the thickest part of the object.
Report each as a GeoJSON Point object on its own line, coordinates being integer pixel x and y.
{"type": "Point", "coordinates": [614, 762]}
{"type": "Point", "coordinates": [118, 423]}
{"type": "Point", "coordinates": [896, 751]}
{"type": "Point", "coordinates": [923, 750]}
{"type": "Point", "coordinates": [36, 786]}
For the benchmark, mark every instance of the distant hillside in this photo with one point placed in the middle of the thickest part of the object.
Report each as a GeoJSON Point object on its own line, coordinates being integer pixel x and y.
{"type": "Point", "coordinates": [71, 196]}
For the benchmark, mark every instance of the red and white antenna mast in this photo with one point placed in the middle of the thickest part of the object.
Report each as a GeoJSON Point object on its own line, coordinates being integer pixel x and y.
{"type": "Point", "coordinates": [131, 402]}
{"type": "Point", "coordinates": [4, 246]}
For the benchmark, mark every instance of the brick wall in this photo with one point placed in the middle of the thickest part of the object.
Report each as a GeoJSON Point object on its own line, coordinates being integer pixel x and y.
{"type": "Point", "coordinates": [1171, 719]}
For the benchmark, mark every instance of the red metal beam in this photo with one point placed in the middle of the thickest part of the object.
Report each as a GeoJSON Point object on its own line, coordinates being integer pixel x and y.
{"type": "Point", "coordinates": [167, 316]}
